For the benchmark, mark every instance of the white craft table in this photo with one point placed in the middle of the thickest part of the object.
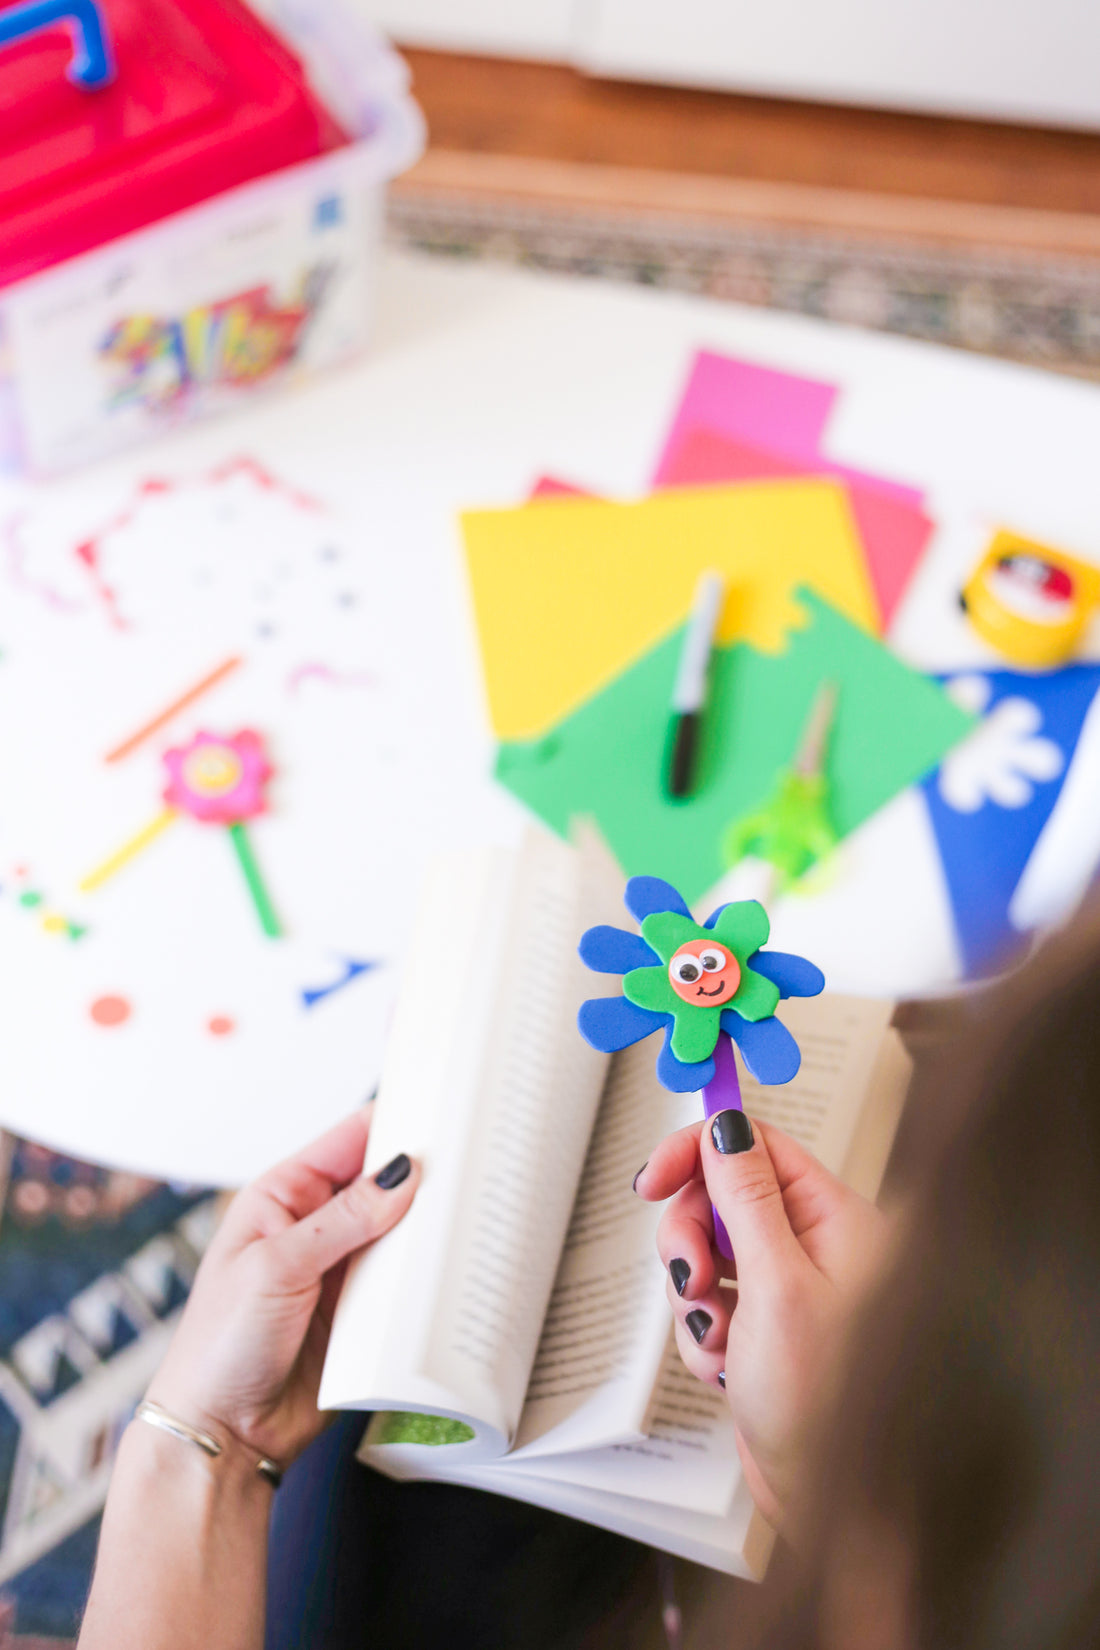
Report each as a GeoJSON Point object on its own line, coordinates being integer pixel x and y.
{"type": "Point", "coordinates": [481, 379]}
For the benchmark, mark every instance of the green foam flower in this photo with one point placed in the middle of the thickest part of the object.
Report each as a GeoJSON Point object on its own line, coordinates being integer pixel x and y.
{"type": "Point", "coordinates": [742, 928]}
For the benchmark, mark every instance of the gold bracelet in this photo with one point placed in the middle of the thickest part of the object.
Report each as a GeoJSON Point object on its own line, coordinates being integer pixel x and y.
{"type": "Point", "coordinates": [154, 1416]}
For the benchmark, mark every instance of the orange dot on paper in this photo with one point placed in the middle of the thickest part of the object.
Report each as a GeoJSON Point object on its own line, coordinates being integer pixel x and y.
{"type": "Point", "coordinates": [110, 1011]}
{"type": "Point", "coordinates": [221, 1025]}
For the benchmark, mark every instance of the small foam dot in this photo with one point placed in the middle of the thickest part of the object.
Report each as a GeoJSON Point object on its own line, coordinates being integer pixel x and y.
{"type": "Point", "coordinates": [30, 899]}
{"type": "Point", "coordinates": [110, 1011]}
{"type": "Point", "coordinates": [221, 1025]}
{"type": "Point", "coordinates": [53, 924]}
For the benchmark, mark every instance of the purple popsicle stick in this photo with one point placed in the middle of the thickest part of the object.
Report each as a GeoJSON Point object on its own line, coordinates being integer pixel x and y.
{"type": "Point", "coordinates": [722, 1093]}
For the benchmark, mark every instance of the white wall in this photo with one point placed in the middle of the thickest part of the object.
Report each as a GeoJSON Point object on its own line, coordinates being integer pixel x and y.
{"type": "Point", "coordinates": [512, 28]}
{"type": "Point", "coordinates": [1012, 59]}
{"type": "Point", "coordinates": [1028, 60]}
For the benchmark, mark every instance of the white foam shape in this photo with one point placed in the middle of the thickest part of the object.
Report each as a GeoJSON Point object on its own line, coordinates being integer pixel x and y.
{"type": "Point", "coordinates": [1000, 761]}
{"type": "Point", "coordinates": [970, 692]}
{"type": "Point", "coordinates": [1066, 857]}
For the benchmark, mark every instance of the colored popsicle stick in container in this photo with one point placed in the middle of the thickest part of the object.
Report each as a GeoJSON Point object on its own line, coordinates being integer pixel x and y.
{"type": "Point", "coordinates": [217, 780]}
{"type": "Point", "coordinates": [708, 987]}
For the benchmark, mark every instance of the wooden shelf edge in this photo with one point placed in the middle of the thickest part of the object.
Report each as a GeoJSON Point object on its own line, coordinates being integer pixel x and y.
{"type": "Point", "coordinates": [634, 192]}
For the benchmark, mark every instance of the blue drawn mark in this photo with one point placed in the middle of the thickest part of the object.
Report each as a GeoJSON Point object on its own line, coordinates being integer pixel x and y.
{"type": "Point", "coordinates": [352, 970]}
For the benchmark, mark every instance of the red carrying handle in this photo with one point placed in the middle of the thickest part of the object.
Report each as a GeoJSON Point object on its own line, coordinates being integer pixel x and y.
{"type": "Point", "coordinates": [92, 64]}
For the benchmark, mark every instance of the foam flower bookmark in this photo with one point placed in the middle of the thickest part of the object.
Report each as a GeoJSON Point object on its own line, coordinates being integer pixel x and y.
{"type": "Point", "coordinates": [217, 780]}
{"type": "Point", "coordinates": [707, 987]}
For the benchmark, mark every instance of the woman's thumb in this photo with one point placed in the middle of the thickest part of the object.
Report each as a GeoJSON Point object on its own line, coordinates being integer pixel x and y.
{"type": "Point", "coordinates": [356, 1216]}
{"type": "Point", "coordinates": [743, 1187]}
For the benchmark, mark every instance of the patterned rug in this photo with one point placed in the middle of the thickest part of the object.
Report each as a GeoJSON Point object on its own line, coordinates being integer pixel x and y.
{"type": "Point", "coordinates": [1039, 309]}
{"type": "Point", "coordinates": [94, 1269]}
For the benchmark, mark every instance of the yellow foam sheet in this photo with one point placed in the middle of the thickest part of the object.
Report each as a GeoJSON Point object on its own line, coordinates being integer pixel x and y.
{"type": "Point", "coordinates": [569, 592]}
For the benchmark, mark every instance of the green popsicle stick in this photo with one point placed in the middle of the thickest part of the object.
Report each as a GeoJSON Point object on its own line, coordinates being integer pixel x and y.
{"type": "Point", "coordinates": [269, 922]}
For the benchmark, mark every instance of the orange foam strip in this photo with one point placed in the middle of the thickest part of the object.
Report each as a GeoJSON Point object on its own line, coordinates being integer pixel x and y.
{"type": "Point", "coordinates": [166, 715]}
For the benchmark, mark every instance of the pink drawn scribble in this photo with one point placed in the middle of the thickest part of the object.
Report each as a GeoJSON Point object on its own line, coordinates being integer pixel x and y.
{"type": "Point", "coordinates": [325, 673]}
{"type": "Point", "coordinates": [89, 552]}
{"type": "Point", "coordinates": [267, 483]}
{"type": "Point", "coordinates": [15, 559]}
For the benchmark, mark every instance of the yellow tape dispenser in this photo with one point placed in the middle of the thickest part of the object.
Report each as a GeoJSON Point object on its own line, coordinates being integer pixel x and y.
{"type": "Point", "coordinates": [1030, 602]}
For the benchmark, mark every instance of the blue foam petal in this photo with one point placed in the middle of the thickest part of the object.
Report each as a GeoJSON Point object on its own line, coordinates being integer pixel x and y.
{"type": "Point", "coordinates": [678, 1076]}
{"type": "Point", "coordinates": [614, 951]}
{"type": "Point", "coordinates": [716, 913]}
{"type": "Point", "coordinates": [644, 895]}
{"type": "Point", "coordinates": [795, 976]}
{"type": "Point", "coordinates": [767, 1047]}
{"type": "Point", "coordinates": [612, 1023]}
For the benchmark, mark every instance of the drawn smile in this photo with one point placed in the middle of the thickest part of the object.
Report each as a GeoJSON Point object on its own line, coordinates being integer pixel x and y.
{"type": "Point", "coordinates": [717, 992]}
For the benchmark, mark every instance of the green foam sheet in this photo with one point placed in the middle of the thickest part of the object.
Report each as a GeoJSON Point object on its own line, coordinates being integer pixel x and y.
{"type": "Point", "coordinates": [607, 759]}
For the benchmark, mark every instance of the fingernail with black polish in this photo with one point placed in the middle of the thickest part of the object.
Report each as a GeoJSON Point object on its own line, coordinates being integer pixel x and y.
{"type": "Point", "coordinates": [731, 1132]}
{"type": "Point", "coordinates": [679, 1271]}
{"type": "Point", "coordinates": [698, 1322]}
{"type": "Point", "coordinates": [722, 1379]}
{"type": "Point", "coordinates": [397, 1170]}
{"type": "Point", "coordinates": [640, 1173]}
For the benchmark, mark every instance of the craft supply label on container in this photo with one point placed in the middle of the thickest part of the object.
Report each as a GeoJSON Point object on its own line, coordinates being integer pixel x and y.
{"type": "Point", "coordinates": [195, 225]}
{"type": "Point", "coordinates": [269, 282]}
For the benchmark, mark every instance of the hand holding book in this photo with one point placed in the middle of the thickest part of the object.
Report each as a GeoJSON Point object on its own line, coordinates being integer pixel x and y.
{"type": "Point", "coordinates": [536, 1357]}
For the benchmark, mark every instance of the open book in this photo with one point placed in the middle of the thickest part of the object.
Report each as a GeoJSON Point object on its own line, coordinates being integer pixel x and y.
{"type": "Point", "coordinates": [513, 1333]}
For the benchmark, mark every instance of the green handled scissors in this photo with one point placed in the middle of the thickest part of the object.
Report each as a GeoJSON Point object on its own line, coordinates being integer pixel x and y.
{"type": "Point", "coordinates": [793, 830]}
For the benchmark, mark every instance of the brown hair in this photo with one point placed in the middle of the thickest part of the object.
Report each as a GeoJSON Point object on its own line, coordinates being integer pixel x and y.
{"type": "Point", "coordinates": [959, 1483]}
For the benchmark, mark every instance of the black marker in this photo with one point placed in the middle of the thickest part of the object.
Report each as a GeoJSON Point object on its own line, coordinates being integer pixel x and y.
{"type": "Point", "coordinates": [690, 692]}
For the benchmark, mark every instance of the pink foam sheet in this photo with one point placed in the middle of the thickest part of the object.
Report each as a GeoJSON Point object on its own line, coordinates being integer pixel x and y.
{"type": "Point", "coordinates": [551, 487]}
{"type": "Point", "coordinates": [894, 532]}
{"type": "Point", "coordinates": [778, 412]}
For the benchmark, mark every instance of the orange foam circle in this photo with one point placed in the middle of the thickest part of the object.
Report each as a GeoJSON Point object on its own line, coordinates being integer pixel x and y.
{"type": "Point", "coordinates": [110, 1011]}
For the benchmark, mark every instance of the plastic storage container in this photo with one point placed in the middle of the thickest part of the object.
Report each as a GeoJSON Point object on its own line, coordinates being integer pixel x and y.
{"type": "Point", "coordinates": [201, 227]}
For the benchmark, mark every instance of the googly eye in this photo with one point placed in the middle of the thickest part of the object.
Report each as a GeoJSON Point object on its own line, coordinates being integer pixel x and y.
{"type": "Point", "coordinates": [685, 969]}
{"type": "Point", "coordinates": [713, 961]}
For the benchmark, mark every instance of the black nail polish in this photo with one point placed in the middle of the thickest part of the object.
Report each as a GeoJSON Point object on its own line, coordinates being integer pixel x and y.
{"type": "Point", "coordinates": [679, 1271]}
{"type": "Point", "coordinates": [640, 1173]}
{"type": "Point", "coordinates": [397, 1170]}
{"type": "Point", "coordinates": [731, 1131]}
{"type": "Point", "coordinates": [722, 1379]}
{"type": "Point", "coordinates": [698, 1322]}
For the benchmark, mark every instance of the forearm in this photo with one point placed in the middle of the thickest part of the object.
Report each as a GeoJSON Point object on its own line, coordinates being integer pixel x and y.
{"type": "Point", "coordinates": [183, 1550]}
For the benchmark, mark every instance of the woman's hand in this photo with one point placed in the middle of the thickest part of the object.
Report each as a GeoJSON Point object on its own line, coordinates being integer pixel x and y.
{"type": "Point", "coordinates": [246, 1359]}
{"type": "Point", "coordinates": [805, 1247]}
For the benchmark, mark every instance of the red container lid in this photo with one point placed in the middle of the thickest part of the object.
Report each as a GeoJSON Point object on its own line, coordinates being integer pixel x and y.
{"type": "Point", "coordinates": [205, 98]}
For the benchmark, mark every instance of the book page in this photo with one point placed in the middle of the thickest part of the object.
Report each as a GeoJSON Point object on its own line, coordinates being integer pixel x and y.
{"type": "Point", "coordinates": [840, 1038]}
{"type": "Point", "coordinates": [426, 1106]}
{"type": "Point", "coordinates": [680, 1486]}
{"type": "Point", "coordinates": [738, 1541]}
{"type": "Point", "coordinates": [607, 1322]}
{"type": "Point", "coordinates": [687, 1456]}
{"type": "Point", "coordinates": [497, 1096]}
